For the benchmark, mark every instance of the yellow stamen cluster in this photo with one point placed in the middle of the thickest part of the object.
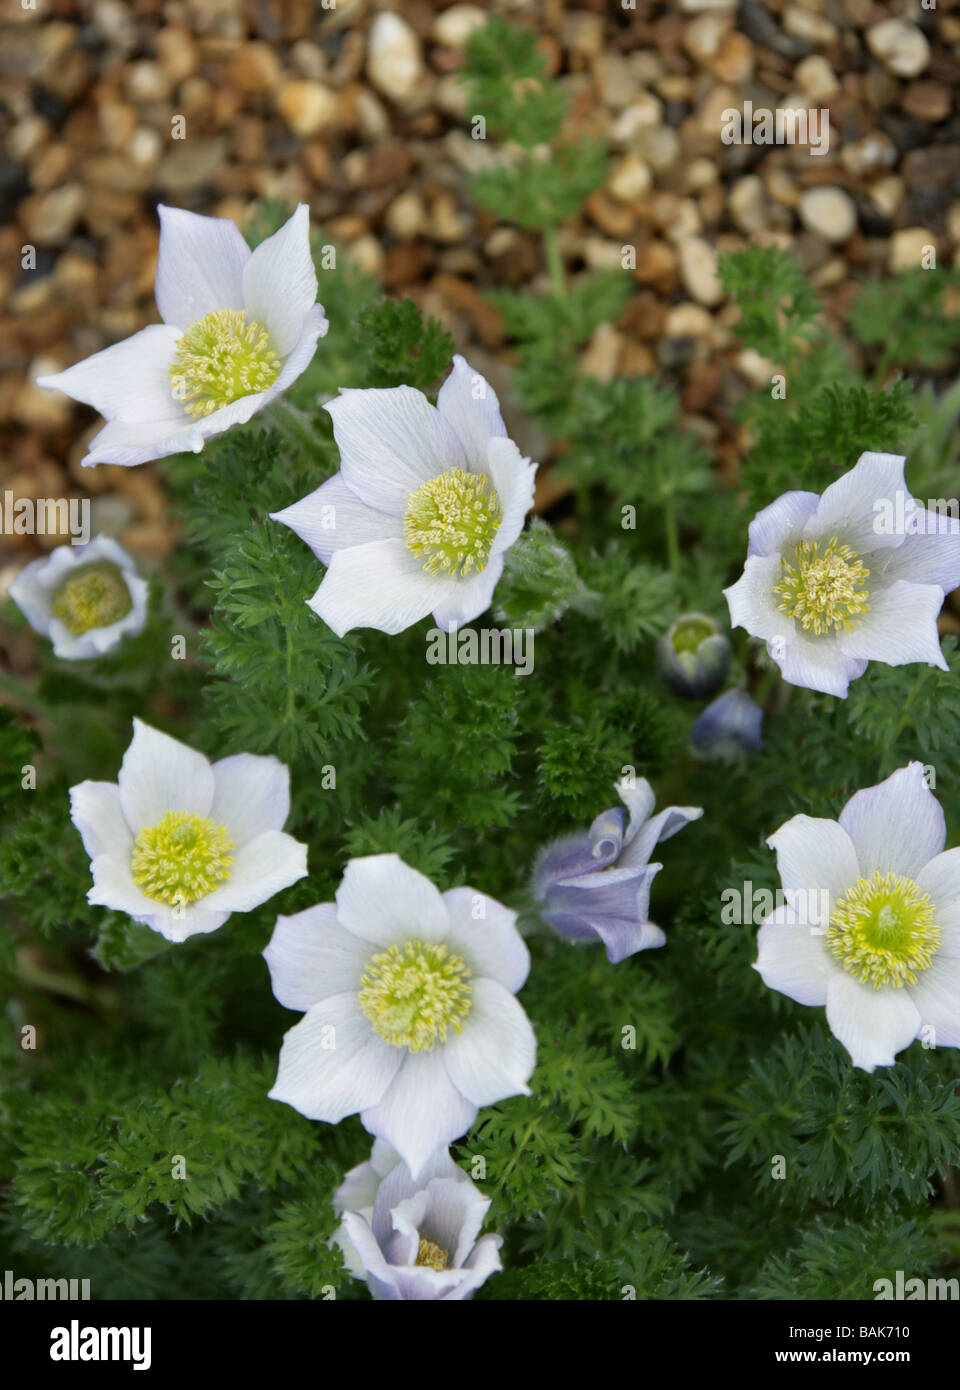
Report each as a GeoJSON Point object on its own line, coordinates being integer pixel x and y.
{"type": "Point", "coordinates": [823, 590]}
{"type": "Point", "coordinates": [450, 522]}
{"type": "Point", "coordinates": [883, 932]}
{"type": "Point", "coordinates": [93, 596]}
{"type": "Point", "coordinates": [181, 858]}
{"type": "Point", "coordinates": [413, 993]}
{"type": "Point", "coordinates": [432, 1256]}
{"type": "Point", "coordinates": [220, 358]}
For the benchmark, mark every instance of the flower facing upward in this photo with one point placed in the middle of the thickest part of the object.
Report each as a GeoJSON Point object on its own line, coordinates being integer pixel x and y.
{"type": "Point", "coordinates": [410, 1014]}
{"type": "Point", "coordinates": [427, 502]}
{"type": "Point", "coordinates": [857, 574]}
{"type": "Point", "coordinates": [885, 956]}
{"type": "Point", "coordinates": [239, 326]}
{"type": "Point", "coordinates": [85, 598]}
{"type": "Point", "coordinates": [596, 886]}
{"type": "Point", "coordinates": [179, 843]}
{"type": "Point", "coordinates": [414, 1239]}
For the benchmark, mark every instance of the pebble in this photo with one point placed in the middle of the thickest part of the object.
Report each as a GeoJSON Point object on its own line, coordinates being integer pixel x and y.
{"type": "Point", "coordinates": [804, 24]}
{"type": "Point", "coordinates": [748, 205]}
{"type": "Point", "coordinates": [886, 195]}
{"type": "Point", "coordinates": [307, 107]}
{"type": "Point", "coordinates": [901, 47]}
{"type": "Point", "coordinates": [734, 60]}
{"type": "Point", "coordinates": [816, 77]}
{"type": "Point", "coordinates": [407, 215]}
{"type": "Point", "coordinates": [829, 213]}
{"type": "Point", "coordinates": [908, 247]}
{"type": "Point", "coordinates": [615, 80]}
{"type": "Point", "coordinates": [453, 27]}
{"type": "Point", "coordinates": [642, 113]}
{"type": "Point", "coordinates": [601, 356]}
{"type": "Point", "coordinates": [49, 218]}
{"type": "Point", "coordinates": [703, 36]}
{"type": "Point", "coordinates": [394, 57]}
{"type": "Point", "coordinates": [629, 179]}
{"type": "Point", "coordinates": [698, 270]}
{"type": "Point", "coordinates": [927, 101]}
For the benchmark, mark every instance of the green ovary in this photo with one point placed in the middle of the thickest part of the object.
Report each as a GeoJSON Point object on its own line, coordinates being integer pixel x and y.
{"type": "Point", "coordinates": [220, 358]}
{"type": "Point", "coordinates": [824, 588]}
{"type": "Point", "coordinates": [181, 858]}
{"type": "Point", "coordinates": [882, 931]}
{"type": "Point", "coordinates": [413, 993]}
{"type": "Point", "coordinates": [93, 596]}
{"type": "Point", "coordinates": [450, 522]}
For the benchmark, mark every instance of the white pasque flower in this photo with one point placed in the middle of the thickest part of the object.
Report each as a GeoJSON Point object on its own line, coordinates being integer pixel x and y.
{"type": "Point", "coordinates": [415, 1238]}
{"type": "Point", "coordinates": [427, 503]}
{"type": "Point", "coordinates": [239, 326]}
{"type": "Point", "coordinates": [180, 843]}
{"type": "Point", "coordinates": [85, 598]}
{"type": "Point", "coordinates": [856, 574]}
{"type": "Point", "coordinates": [871, 923]}
{"type": "Point", "coordinates": [410, 1016]}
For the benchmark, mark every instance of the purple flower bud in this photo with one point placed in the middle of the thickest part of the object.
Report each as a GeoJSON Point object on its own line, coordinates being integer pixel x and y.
{"type": "Point", "coordinates": [732, 723]}
{"type": "Point", "coordinates": [693, 656]}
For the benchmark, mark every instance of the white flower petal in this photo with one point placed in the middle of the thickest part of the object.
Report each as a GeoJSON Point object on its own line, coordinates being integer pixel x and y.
{"type": "Point", "coordinates": [937, 998]}
{"type": "Point", "coordinates": [391, 440]}
{"type": "Point", "coordinates": [470, 404]}
{"type": "Point", "coordinates": [483, 1260]}
{"type": "Point", "coordinates": [125, 443]}
{"type": "Point", "coordinates": [459, 601]}
{"type": "Point", "coordinates": [129, 381]}
{"type": "Point", "coordinates": [363, 1257]}
{"type": "Point", "coordinates": [752, 602]}
{"type": "Point", "coordinates": [378, 585]}
{"type": "Point", "coordinates": [332, 1064]}
{"type": "Point", "coordinates": [778, 527]}
{"type": "Point", "coordinates": [383, 901]}
{"type": "Point", "coordinates": [814, 853]}
{"type": "Point", "coordinates": [311, 956]}
{"type": "Point", "coordinates": [160, 774]}
{"type": "Point", "coordinates": [422, 1111]}
{"type": "Point", "coordinates": [262, 867]}
{"type": "Point", "coordinates": [113, 887]}
{"type": "Point", "coordinates": [941, 879]}
{"type": "Point", "coordinates": [280, 281]}
{"type": "Point", "coordinates": [490, 943]}
{"type": "Point", "coordinates": [32, 592]}
{"type": "Point", "coordinates": [792, 958]}
{"type": "Point", "coordinates": [454, 1215]}
{"type": "Point", "coordinates": [896, 826]}
{"type": "Point", "coordinates": [96, 812]}
{"type": "Point", "coordinates": [930, 557]}
{"type": "Point", "coordinates": [817, 663]}
{"type": "Point", "coordinates": [873, 1024]}
{"type": "Point", "coordinates": [848, 508]}
{"type": "Point", "coordinates": [199, 266]}
{"type": "Point", "coordinates": [251, 794]}
{"type": "Point", "coordinates": [333, 518]}
{"type": "Point", "coordinates": [495, 1054]}
{"type": "Point", "coordinates": [513, 478]}
{"type": "Point", "coordinates": [901, 626]}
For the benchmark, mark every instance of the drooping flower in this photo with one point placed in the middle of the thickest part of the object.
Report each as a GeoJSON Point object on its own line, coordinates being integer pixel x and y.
{"type": "Point", "coordinates": [239, 326]}
{"type": "Point", "coordinates": [415, 1239]}
{"type": "Point", "coordinates": [410, 1016]}
{"type": "Point", "coordinates": [596, 885]}
{"type": "Point", "coordinates": [427, 502]}
{"type": "Point", "coordinates": [856, 574]}
{"type": "Point", "coordinates": [871, 923]}
{"type": "Point", "coordinates": [731, 724]}
{"type": "Point", "coordinates": [85, 598]}
{"type": "Point", "coordinates": [693, 656]}
{"type": "Point", "coordinates": [180, 843]}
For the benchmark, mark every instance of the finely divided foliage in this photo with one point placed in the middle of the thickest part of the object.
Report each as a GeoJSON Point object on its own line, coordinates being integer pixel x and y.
{"type": "Point", "coordinates": [492, 1087]}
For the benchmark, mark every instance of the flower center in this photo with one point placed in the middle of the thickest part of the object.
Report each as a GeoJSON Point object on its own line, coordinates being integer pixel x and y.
{"type": "Point", "coordinates": [181, 858]}
{"type": "Point", "coordinates": [823, 590]}
{"type": "Point", "coordinates": [93, 596]}
{"type": "Point", "coordinates": [220, 358]}
{"type": "Point", "coordinates": [433, 1256]}
{"type": "Point", "coordinates": [882, 931]}
{"type": "Point", "coordinates": [451, 521]}
{"type": "Point", "coordinates": [413, 993]}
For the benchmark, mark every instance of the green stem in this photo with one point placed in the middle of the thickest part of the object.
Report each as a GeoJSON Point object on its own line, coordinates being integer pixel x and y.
{"type": "Point", "coordinates": [673, 541]}
{"type": "Point", "coordinates": [551, 246]}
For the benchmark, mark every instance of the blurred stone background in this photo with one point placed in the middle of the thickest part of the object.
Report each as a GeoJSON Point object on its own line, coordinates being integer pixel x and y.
{"type": "Point", "coordinates": [356, 109]}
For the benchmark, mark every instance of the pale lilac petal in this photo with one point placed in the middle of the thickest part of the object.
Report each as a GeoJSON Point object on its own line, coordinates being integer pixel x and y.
{"type": "Point", "coordinates": [896, 826]}
{"type": "Point", "coordinates": [662, 826]}
{"type": "Point", "coordinates": [383, 901]}
{"type": "Point", "coordinates": [513, 477]}
{"type": "Point", "coordinates": [311, 956]}
{"type": "Point", "coordinates": [422, 1111]}
{"type": "Point", "coordinates": [333, 517]}
{"type": "Point", "coordinates": [930, 556]}
{"type": "Point", "coordinates": [459, 601]}
{"type": "Point", "coordinates": [468, 401]}
{"type": "Point", "coordinates": [160, 774]}
{"type": "Point", "coordinates": [778, 528]}
{"type": "Point", "coordinates": [814, 853]}
{"type": "Point", "coordinates": [199, 266]}
{"type": "Point", "coordinates": [873, 1024]}
{"type": "Point", "coordinates": [364, 1258]}
{"type": "Point", "coordinates": [495, 1054]}
{"type": "Point", "coordinates": [391, 441]}
{"type": "Point", "coordinates": [280, 281]}
{"type": "Point", "coordinates": [380, 585]}
{"type": "Point", "coordinates": [262, 867]}
{"type": "Point", "coordinates": [129, 381]}
{"type": "Point", "coordinates": [490, 943]}
{"type": "Point", "coordinates": [752, 602]}
{"type": "Point", "coordinates": [96, 812]}
{"type": "Point", "coordinates": [818, 663]}
{"type": "Point", "coordinates": [792, 957]}
{"type": "Point", "coordinates": [332, 1064]}
{"type": "Point", "coordinates": [251, 794]}
{"type": "Point", "coordinates": [900, 626]}
{"type": "Point", "coordinates": [848, 508]}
